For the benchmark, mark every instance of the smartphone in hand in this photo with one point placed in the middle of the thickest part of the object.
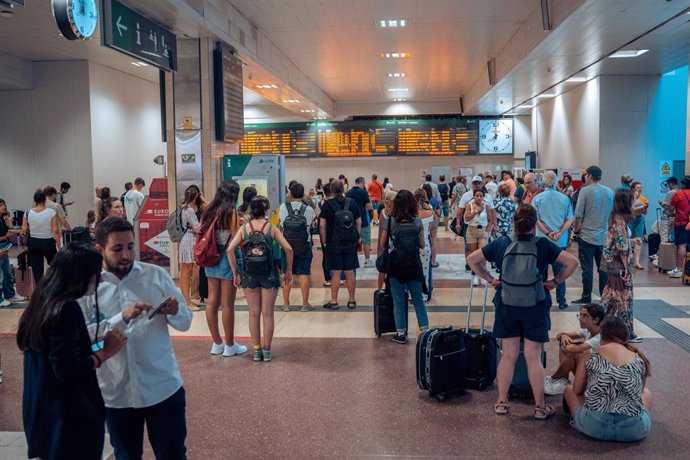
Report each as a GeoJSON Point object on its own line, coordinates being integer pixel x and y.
{"type": "Point", "coordinates": [158, 309]}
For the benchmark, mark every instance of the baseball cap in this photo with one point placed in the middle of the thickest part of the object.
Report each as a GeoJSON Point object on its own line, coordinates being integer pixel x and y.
{"type": "Point", "coordinates": [595, 172]}
{"type": "Point", "coordinates": [477, 179]}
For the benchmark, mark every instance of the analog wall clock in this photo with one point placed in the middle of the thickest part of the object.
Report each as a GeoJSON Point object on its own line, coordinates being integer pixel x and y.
{"type": "Point", "coordinates": [76, 19]}
{"type": "Point", "coordinates": [496, 136]}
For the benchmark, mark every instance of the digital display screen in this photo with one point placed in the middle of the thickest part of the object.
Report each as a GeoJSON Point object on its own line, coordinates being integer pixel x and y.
{"type": "Point", "coordinates": [452, 136]}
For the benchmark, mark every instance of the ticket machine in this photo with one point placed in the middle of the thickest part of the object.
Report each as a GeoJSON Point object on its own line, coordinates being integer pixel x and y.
{"type": "Point", "coordinates": [266, 173]}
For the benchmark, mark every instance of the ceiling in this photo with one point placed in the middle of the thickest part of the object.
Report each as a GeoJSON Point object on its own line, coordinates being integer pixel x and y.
{"type": "Point", "coordinates": [337, 45]}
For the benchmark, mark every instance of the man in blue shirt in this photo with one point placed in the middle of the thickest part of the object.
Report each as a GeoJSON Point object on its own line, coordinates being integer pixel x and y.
{"type": "Point", "coordinates": [591, 222]}
{"type": "Point", "coordinates": [359, 195]}
{"type": "Point", "coordinates": [554, 218]}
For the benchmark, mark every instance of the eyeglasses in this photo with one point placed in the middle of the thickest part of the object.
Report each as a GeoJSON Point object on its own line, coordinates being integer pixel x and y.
{"type": "Point", "coordinates": [581, 316]}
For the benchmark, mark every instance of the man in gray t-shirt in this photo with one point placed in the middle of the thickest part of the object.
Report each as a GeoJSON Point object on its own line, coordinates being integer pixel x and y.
{"type": "Point", "coordinates": [591, 222]}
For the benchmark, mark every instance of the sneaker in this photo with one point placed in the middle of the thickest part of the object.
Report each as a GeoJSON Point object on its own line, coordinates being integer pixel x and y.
{"type": "Point", "coordinates": [555, 387]}
{"type": "Point", "coordinates": [635, 339]}
{"type": "Point", "coordinates": [17, 298]}
{"type": "Point", "coordinates": [368, 263]}
{"type": "Point", "coordinates": [563, 306]}
{"type": "Point", "coordinates": [435, 264]}
{"type": "Point", "coordinates": [581, 302]}
{"type": "Point", "coordinates": [217, 348]}
{"type": "Point", "coordinates": [258, 355]}
{"type": "Point", "coordinates": [401, 339]}
{"type": "Point", "coordinates": [467, 268]}
{"type": "Point", "coordinates": [268, 355]}
{"type": "Point", "coordinates": [5, 303]}
{"type": "Point", "coordinates": [327, 284]}
{"type": "Point", "coordinates": [235, 349]}
{"type": "Point", "coordinates": [475, 281]}
{"type": "Point", "coordinates": [675, 273]}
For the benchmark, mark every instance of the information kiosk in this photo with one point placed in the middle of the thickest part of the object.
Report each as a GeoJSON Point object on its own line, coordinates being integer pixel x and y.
{"type": "Point", "coordinates": [266, 173]}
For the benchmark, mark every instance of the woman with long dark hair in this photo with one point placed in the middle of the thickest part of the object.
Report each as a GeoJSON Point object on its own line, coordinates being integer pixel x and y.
{"type": "Point", "coordinates": [319, 187]}
{"type": "Point", "coordinates": [193, 202]}
{"type": "Point", "coordinates": [44, 239]}
{"type": "Point", "coordinates": [102, 211]}
{"type": "Point", "coordinates": [247, 195]}
{"type": "Point", "coordinates": [221, 290]}
{"type": "Point", "coordinates": [617, 255]}
{"type": "Point", "coordinates": [609, 399]}
{"type": "Point", "coordinates": [406, 275]}
{"type": "Point", "coordinates": [111, 207]}
{"type": "Point", "coordinates": [426, 215]}
{"type": "Point", "coordinates": [63, 411]}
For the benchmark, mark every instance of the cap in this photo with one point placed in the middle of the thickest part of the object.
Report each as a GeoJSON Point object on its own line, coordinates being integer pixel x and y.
{"type": "Point", "coordinates": [595, 172]}
{"type": "Point", "coordinates": [477, 179]}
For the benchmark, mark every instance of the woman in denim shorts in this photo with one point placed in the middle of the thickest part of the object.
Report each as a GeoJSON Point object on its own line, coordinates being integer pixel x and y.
{"type": "Point", "coordinates": [609, 399]}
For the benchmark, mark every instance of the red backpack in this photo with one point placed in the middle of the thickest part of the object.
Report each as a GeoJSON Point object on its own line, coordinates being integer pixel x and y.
{"type": "Point", "coordinates": [205, 249]}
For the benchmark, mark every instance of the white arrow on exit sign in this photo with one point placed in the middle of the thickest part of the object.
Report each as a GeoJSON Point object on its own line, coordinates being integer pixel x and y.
{"type": "Point", "coordinates": [120, 27]}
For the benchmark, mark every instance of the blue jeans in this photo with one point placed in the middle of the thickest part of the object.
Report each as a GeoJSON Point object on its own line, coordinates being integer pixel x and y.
{"type": "Point", "coordinates": [165, 424]}
{"type": "Point", "coordinates": [398, 290]}
{"type": "Point", "coordinates": [560, 289]}
{"type": "Point", "coordinates": [589, 254]}
{"type": "Point", "coordinates": [7, 278]}
{"type": "Point", "coordinates": [611, 427]}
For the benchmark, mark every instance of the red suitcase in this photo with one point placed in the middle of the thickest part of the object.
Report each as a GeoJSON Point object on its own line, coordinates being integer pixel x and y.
{"type": "Point", "coordinates": [24, 282]}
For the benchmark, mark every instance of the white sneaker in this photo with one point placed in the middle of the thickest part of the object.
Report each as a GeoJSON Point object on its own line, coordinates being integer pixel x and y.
{"type": "Point", "coordinates": [675, 273]}
{"type": "Point", "coordinates": [235, 349]}
{"type": "Point", "coordinates": [475, 281]}
{"type": "Point", "coordinates": [368, 263]}
{"type": "Point", "coordinates": [18, 298]}
{"type": "Point", "coordinates": [217, 348]}
{"type": "Point", "coordinates": [555, 387]}
{"type": "Point", "coordinates": [5, 303]}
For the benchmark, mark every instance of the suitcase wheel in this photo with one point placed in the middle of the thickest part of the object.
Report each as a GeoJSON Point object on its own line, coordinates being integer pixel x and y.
{"type": "Point", "coordinates": [378, 335]}
{"type": "Point", "coordinates": [441, 397]}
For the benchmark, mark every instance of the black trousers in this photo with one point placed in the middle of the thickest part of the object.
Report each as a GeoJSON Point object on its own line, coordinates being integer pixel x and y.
{"type": "Point", "coordinates": [40, 249]}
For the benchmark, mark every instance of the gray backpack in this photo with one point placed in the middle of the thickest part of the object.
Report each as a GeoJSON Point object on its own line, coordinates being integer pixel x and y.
{"type": "Point", "coordinates": [521, 282]}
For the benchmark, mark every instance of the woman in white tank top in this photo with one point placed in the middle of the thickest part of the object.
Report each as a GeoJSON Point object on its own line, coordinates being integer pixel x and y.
{"type": "Point", "coordinates": [44, 240]}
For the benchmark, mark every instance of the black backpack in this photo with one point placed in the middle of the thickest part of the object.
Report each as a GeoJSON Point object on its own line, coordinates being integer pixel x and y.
{"type": "Point", "coordinates": [345, 236]}
{"type": "Point", "coordinates": [296, 228]}
{"type": "Point", "coordinates": [405, 253]}
{"type": "Point", "coordinates": [443, 191]}
{"type": "Point", "coordinates": [257, 252]}
{"type": "Point", "coordinates": [81, 235]}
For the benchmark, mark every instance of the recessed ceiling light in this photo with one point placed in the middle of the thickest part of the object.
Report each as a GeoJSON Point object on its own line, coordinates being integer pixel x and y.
{"type": "Point", "coordinates": [525, 106]}
{"type": "Point", "coordinates": [628, 53]}
{"type": "Point", "coordinates": [392, 23]}
{"type": "Point", "coordinates": [398, 89]}
{"type": "Point", "coordinates": [395, 55]}
{"type": "Point", "coordinates": [576, 79]}
{"type": "Point", "coordinates": [547, 95]}
{"type": "Point", "coordinates": [291, 101]}
{"type": "Point", "coordinates": [396, 75]}
{"type": "Point", "coordinates": [400, 99]}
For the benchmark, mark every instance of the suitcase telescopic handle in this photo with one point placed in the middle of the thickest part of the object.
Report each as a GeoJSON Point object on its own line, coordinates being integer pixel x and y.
{"type": "Point", "coordinates": [486, 296]}
{"type": "Point", "coordinates": [469, 309]}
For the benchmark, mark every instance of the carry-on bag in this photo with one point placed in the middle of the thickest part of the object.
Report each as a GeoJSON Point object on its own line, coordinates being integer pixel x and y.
{"type": "Point", "coordinates": [24, 283]}
{"type": "Point", "coordinates": [481, 350]}
{"type": "Point", "coordinates": [520, 387]}
{"type": "Point", "coordinates": [384, 320]}
{"type": "Point", "coordinates": [441, 362]}
{"type": "Point", "coordinates": [654, 239]}
{"type": "Point", "coordinates": [686, 269]}
{"type": "Point", "coordinates": [667, 257]}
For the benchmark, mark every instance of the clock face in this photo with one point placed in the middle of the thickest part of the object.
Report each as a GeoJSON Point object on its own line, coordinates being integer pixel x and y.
{"type": "Point", "coordinates": [496, 136]}
{"type": "Point", "coordinates": [77, 19]}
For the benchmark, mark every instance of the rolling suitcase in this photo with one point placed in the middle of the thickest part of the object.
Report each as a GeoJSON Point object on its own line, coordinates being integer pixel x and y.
{"type": "Point", "coordinates": [441, 362]}
{"type": "Point", "coordinates": [481, 351]}
{"type": "Point", "coordinates": [203, 284]}
{"type": "Point", "coordinates": [384, 320]}
{"type": "Point", "coordinates": [24, 283]}
{"type": "Point", "coordinates": [654, 239]}
{"type": "Point", "coordinates": [686, 269]}
{"type": "Point", "coordinates": [667, 257]}
{"type": "Point", "coordinates": [520, 387]}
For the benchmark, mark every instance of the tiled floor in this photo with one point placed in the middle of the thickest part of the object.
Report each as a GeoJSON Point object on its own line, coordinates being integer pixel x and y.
{"type": "Point", "coordinates": [334, 390]}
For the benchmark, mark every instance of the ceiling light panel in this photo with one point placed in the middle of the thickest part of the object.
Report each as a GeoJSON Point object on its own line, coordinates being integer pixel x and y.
{"type": "Point", "coordinates": [396, 75]}
{"type": "Point", "coordinates": [395, 55]}
{"type": "Point", "coordinates": [628, 53]}
{"type": "Point", "coordinates": [392, 23]}
{"type": "Point", "coordinates": [398, 89]}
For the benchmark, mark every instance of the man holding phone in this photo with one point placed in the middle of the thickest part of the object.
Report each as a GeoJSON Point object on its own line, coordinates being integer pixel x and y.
{"type": "Point", "coordinates": [142, 385]}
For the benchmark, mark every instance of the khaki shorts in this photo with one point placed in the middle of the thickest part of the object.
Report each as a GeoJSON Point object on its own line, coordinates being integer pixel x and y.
{"type": "Point", "coordinates": [475, 235]}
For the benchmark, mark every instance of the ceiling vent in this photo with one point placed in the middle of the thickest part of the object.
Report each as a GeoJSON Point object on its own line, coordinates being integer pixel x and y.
{"type": "Point", "coordinates": [491, 68]}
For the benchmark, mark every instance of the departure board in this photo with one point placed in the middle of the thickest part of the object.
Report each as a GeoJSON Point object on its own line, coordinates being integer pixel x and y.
{"type": "Point", "coordinates": [356, 139]}
{"type": "Point", "coordinates": [410, 137]}
{"type": "Point", "coordinates": [292, 139]}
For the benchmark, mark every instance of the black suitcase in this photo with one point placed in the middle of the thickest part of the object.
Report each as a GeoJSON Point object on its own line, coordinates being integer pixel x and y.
{"type": "Point", "coordinates": [520, 387]}
{"type": "Point", "coordinates": [654, 239]}
{"type": "Point", "coordinates": [441, 362]}
{"type": "Point", "coordinates": [203, 284]}
{"type": "Point", "coordinates": [481, 351]}
{"type": "Point", "coordinates": [384, 320]}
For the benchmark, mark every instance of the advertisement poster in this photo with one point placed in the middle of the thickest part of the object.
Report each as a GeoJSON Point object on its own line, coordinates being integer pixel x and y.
{"type": "Point", "coordinates": [664, 174]}
{"type": "Point", "coordinates": [153, 240]}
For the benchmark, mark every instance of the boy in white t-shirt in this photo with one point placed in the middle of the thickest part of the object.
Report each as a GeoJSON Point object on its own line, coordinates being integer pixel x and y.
{"type": "Point", "coordinates": [134, 199]}
{"type": "Point", "coordinates": [572, 346]}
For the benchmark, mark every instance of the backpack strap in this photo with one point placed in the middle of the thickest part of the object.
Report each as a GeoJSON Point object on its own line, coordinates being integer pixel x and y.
{"type": "Point", "coordinates": [346, 205]}
{"type": "Point", "coordinates": [288, 206]}
{"type": "Point", "coordinates": [264, 226]}
{"type": "Point", "coordinates": [302, 209]}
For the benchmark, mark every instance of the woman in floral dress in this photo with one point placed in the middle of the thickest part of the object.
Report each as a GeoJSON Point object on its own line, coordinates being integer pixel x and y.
{"type": "Point", "coordinates": [617, 297]}
{"type": "Point", "coordinates": [505, 210]}
{"type": "Point", "coordinates": [194, 203]}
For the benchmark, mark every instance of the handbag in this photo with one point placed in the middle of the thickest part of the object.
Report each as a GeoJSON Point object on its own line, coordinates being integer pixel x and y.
{"type": "Point", "coordinates": [383, 260]}
{"type": "Point", "coordinates": [205, 249]}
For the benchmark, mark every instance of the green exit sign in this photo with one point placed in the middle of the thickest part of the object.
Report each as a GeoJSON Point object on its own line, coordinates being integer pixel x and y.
{"type": "Point", "coordinates": [131, 33]}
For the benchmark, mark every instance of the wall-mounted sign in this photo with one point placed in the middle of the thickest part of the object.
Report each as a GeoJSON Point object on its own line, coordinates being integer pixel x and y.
{"type": "Point", "coordinates": [228, 95]}
{"type": "Point", "coordinates": [127, 31]}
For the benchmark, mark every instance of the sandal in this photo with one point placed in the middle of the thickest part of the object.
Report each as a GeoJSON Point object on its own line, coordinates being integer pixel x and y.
{"type": "Point", "coordinates": [351, 305]}
{"type": "Point", "coordinates": [286, 308]}
{"type": "Point", "coordinates": [501, 408]}
{"type": "Point", "coordinates": [331, 306]}
{"type": "Point", "coordinates": [542, 413]}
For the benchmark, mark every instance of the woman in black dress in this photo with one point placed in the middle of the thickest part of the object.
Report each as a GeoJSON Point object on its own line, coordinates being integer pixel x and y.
{"type": "Point", "coordinates": [63, 411]}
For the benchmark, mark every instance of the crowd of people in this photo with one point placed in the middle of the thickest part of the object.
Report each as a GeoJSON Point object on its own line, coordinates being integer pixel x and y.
{"type": "Point", "coordinates": [99, 318]}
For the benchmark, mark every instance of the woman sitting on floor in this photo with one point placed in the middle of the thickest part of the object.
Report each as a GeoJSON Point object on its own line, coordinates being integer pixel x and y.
{"type": "Point", "coordinates": [609, 400]}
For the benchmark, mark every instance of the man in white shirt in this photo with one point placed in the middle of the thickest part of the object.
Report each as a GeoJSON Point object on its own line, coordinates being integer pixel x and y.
{"type": "Point", "coordinates": [491, 186]}
{"type": "Point", "coordinates": [141, 384]}
{"type": "Point", "coordinates": [133, 199]}
{"type": "Point", "coordinates": [434, 187]}
{"type": "Point", "coordinates": [301, 243]}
